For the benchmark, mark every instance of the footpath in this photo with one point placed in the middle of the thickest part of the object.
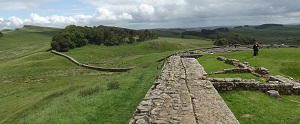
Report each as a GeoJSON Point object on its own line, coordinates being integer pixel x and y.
{"type": "Point", "coordinates": [181, 95]}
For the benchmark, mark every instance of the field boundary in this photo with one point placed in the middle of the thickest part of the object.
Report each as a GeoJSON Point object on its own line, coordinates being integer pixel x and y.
{"type": "Point", "coordinates": [89, 66]}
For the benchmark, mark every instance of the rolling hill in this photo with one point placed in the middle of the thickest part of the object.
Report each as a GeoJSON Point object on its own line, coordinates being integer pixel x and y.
{"type": "Point", "coordinates": [37, 86]}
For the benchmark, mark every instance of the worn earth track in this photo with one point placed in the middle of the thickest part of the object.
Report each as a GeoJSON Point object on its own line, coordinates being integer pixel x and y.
{"type": "Point", "coordinates": [181, 95]}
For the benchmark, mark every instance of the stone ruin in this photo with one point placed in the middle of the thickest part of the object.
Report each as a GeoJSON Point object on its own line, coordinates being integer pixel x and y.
{"type": "Point", "coordinates": [243, 67]}
{"type": "Point", "coordinates": [279, 83]}
{"type": "Point", "coordinates": [229, 84]}
{"type": "Point", "coordinates": [181, 95]}
{"type": "Point", "coordinates": [184, 94]}
{"type": "Point", "coordinates": [184, 54]}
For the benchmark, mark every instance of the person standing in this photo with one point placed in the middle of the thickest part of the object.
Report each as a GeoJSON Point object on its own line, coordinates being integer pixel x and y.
{"type": "Point", "coordinates": [255, 49]}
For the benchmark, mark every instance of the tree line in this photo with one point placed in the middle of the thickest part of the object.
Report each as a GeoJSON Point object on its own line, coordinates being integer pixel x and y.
{"type": "Point", "coordinates": [268, 25]}
{"type": "Point", "coordinates": [77, 36]}
{"type": "Point", "coordinates": [222, 36]}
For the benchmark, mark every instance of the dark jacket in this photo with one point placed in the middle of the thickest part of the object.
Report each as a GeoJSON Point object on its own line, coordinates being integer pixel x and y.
{"type": "Point", "coordinates": [255, 47]}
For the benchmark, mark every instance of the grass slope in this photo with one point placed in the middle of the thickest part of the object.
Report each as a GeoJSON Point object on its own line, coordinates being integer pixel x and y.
{"type": "Point", "coordinates": [255, 107]}
{"type": "Point", "coordinates": [288, 34]}
{"type": "Point", "coordinates": [284, 61]}
{"type": "Point", "coordinates": [39, 87]}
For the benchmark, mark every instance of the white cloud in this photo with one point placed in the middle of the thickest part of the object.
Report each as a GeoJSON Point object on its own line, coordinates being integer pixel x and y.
{"type": "Point", "coordinates": [104, 14]}
{"type": "Point", "coordinates": [35, 18]}
{"type": "Point", "coordinates": [146, 10]}
{"type": "Point", "coordinates": [16, 22]}
{"type": "Point", "coordinates": [19, 5]}
{"type": "Point", "coordinates": [157, 13]}
{"type": "Point", "coordinates": [125, 16]}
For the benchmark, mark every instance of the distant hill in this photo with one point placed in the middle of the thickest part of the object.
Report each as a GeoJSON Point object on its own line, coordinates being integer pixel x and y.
{"type": "Point", "coordinates": [268, 25]}
{"type": "Point", "coordinates": [265, 33]}
{"type": "Point", "coordinates": [272, 33]}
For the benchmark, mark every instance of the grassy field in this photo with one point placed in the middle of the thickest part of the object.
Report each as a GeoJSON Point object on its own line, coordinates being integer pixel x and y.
{"type": "Point", "coordinates": [288, 34]}
{"type": "Point", "coordinates": [254, 107]}
{"type": "Point", "coordinates": [37, 86]}
{"type": "Point", "coordinates": [284, 61]}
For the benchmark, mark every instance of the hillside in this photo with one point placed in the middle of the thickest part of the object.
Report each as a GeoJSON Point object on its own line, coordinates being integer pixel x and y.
{"type": "Point", "coordinates": [266, 33]}
{"type": "Point", "coordinates": [37, 86]}
{"type": "Point", "coordinates": [36, 83]}
{"type": "Point", "coordinates": [287, 34]}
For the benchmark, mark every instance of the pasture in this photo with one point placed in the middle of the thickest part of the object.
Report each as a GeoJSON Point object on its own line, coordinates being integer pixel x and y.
{"type": "Point", "coordinates": [37, 86]}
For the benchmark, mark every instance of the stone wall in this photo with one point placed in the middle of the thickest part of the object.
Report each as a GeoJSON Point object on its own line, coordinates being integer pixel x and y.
{"type": "Point", "coordinates": [281, 84]}
{"type": "Point", "coordinates": [287, 87]}
{"type": "Point", "coordinates": [92, 67]}
{"type": "Point", "coordinates": [182, 95]}
{"type": "Point", "coordinates": [243, 67]}
{"type": "Point", "coordinates": [184, 54]}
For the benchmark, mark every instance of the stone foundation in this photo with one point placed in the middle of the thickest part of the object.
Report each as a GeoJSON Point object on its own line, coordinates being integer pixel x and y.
{"type": "Point", "coordinates": [229, 84]}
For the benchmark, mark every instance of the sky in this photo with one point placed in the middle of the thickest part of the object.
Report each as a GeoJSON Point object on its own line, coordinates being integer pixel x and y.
{"type": "Point", "coordinates": [147, 14]}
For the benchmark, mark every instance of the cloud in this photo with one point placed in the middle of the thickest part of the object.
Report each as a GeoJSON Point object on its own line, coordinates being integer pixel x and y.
{"type": "Point", "coordinates": [160, 13]}
{"type": "Point", "coordinates": [125, 16]}
{"type": "Point", "coordinates": [19, 5]}
{"type": "Point", "coordinates": [16, 22]}
{"type": "Point", "coordinates": [104, 14]}
{"type": "Point", "coordinates": [101, 16]}
{"type": "Point", "coordinates": [146, 10]}
{"type": "Point", "coordinates": [35, 18]}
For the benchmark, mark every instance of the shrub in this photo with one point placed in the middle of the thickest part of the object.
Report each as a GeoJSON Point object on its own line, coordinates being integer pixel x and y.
{"type": "Point", "coordinates": [113, 85]}
{"type": "Point", "coordinates": [89, 91]}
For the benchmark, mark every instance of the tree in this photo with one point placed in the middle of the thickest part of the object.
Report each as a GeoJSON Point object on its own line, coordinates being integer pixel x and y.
{"type": "Point", "coordinates": [131, 39]}
{"type": "Point", "coordinates": [1, 34]}
{"type": "Point", "coordinates": [55, 45]}
{"type": "Point", "coordinates": [77, 36]}
{"type": "Point", "coordinates": [221, 42]}
{"type": "Point", "coordinates": [142, 37]}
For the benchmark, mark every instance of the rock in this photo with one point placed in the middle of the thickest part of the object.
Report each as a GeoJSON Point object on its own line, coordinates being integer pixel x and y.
{"type": "Point", "coordinates": [273, 93]}
{"type": "Point", "coordinates": [221, 58]}
{"type": "Point", "coordinates": [141, 121]}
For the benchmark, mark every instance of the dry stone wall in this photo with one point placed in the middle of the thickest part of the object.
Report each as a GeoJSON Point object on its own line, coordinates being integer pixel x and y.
{"type": "Point", "coordinates": [181, 95]}
{"type": "Point", "coordinates": [184, 54]}
{"type": "Point", "coordinates": [92, 67]}
{"type": "Point", "coordinates": [243, 67]}
{"type": "Point", "coordinates": [281, 84]}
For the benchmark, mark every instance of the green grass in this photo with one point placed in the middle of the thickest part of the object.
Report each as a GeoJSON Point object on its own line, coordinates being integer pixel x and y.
{"type": "Point", "coordinates": [254, 107]}
{"type": "Point", "coordinates": [37, 86]}
{"type": "Point", "coordinates": [257, 108]}
{"type": "Point", "coordinates": [288, 34]}
{"type": "Point", "coordinates": [284, 61]}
